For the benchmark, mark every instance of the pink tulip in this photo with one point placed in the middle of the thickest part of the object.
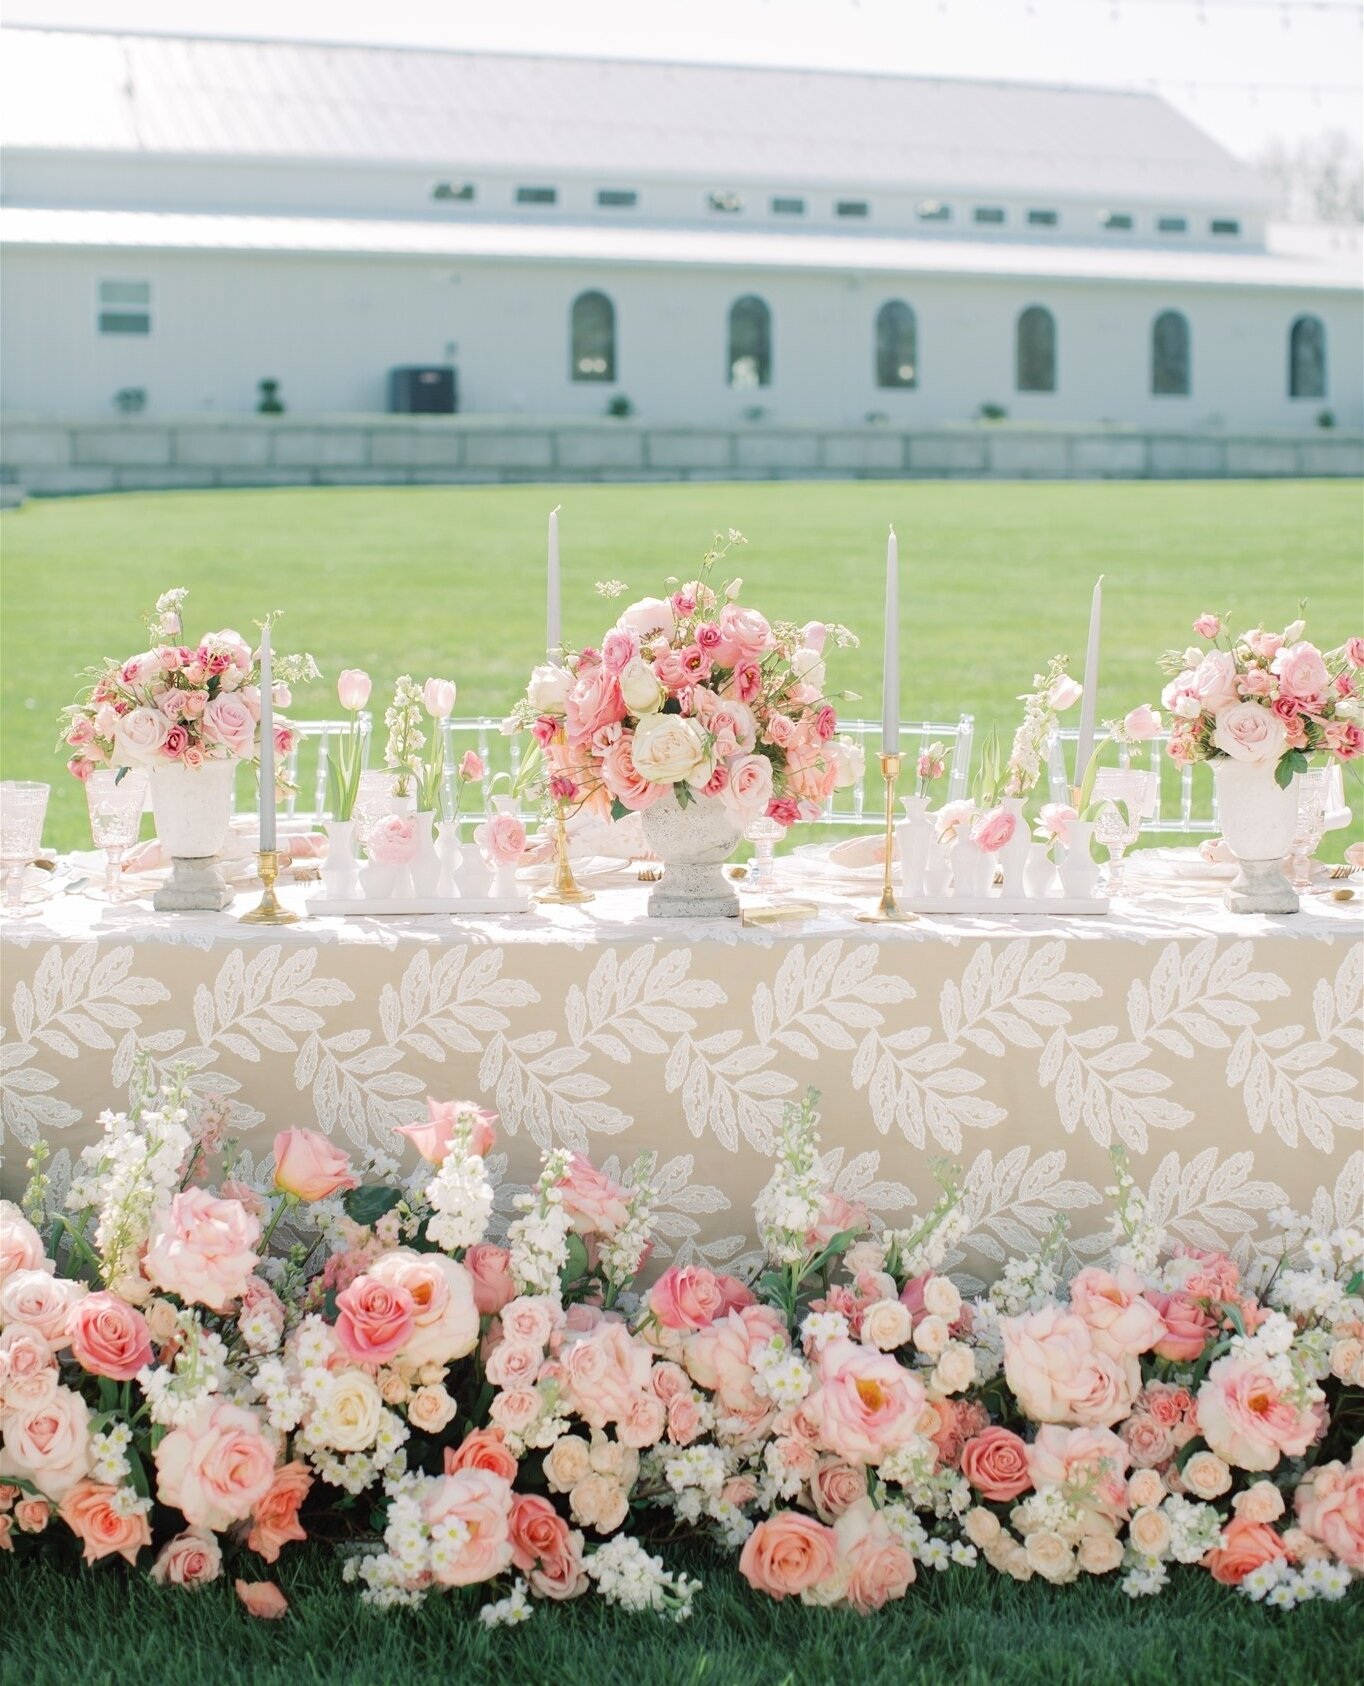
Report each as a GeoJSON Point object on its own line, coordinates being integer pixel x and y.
{"type": "Point", "coordinates": [353, 688]}
{"type": "Point", "coordinates": [439, 697]}
{"type": "Point", "coordinates": [1142, 724]}
{"type": "Point", "coordinates": [1065, 693]}
{"type": "Point", "coordinates": [471, 767]}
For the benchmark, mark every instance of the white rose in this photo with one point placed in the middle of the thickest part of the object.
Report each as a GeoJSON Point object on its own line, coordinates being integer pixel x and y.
{"type": "Point", "coordinates": [808, 667]}
{"type": "Point", "coordinates": [955, 1370]}
{"type": "Point", "coordinates": [549, 686]}
{"type": "Point", "coordinates": [942, 1298]}
{"type": "Point", "coordinates": [850, 762]}
{"type": "Point", "coordinates": [931, 1336]}
{"type": "Point", "coordinates": [139, 737]}
{"type": "Point", "coordinates": [351, 1411]}
{"type": "Point", "coordinates": [648, 617]}
{"type": "Point", "coordinates": [430, 1409]}
{"type": "Point", "coordinates": [667, 748]}
{"type": "Point", "coordinates": [1050, 1556]}
{"type": "Point", "coordinates": [1249, 732]}
{"type": "Point", "coordinates": [886, 1324]}
{"type": "Point", "coordinates": [640, 687]}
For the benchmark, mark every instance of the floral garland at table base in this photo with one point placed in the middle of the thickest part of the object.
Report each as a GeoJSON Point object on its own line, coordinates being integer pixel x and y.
{"type": "Point", "coordinates": [520, 1415]}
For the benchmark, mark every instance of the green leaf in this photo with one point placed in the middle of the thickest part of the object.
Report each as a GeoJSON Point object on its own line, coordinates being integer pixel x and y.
{"type": "Point", "coordinates": [1293, 763]}
{"type": "Point", "coordinates": [137, 1470]}
{"type": "Point", "coordinates": [368, 1203]}
{"type": "Point", "coordinates": [618, 809]}
{"type": "Point", "coordinates": [577, 1260]}
{"type": "Point", "coordinates": [684, 793]}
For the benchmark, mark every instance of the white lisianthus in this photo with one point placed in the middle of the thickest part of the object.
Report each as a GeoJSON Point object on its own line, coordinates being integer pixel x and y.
{"type": "Point", "coordinates": [667, 748]}
{"type": "Point", "coordinates": [850, 762]}
{"type": "Point", "coordinates": [640, 687]}
{"type": "Point", "coordinates": [649, 617]}
{"type": "Point", "coordinates": [549, 686]}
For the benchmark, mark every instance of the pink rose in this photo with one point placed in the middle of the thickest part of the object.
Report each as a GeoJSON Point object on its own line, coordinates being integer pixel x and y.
{"type": "Point", "coordinates": [228, 721]}
{"type": "Point", "coordinates": [1245, 1418]}
{"type": "Point", "coordinates": [749, 791]}
{"type": "Point", "coordinates": [482, 1448]}
{"type": "Point", "coordinates": [995, 1462]}
{"type": "Point", "coordinates": [353, 688]}
{"type": "Point", "coordinates": [1214, 681]}
{"type": "Point", "coordinates": [393, 840]}
{"type": "Point", "coordinates": [744, 635]}
{"type": "Point", "coordinates": [783, 810]}
{"type": "Point", "coordinates": [21, 1246]}
{"type": "Point", "coordinates": [993, 830]}
{"type": "Point", "coordinates": [1208, 626]}
{"type": "Point", "coordinates": [480, 1503]}
{"type": "Point", "coordinates": [1248, 732]}
{"type": "Point", "coordinates": [684, 1418]}
{"type": "Point", "coordinates": [879, 1565]}
{"type": "Point", "coordinates": [836, 1214]}
{"type": "Point", "coordinates": [274, 1518]}
{"type": "Point", "coordinates": [1244, 1546]}
{"type": "Point", "coordinates": [433, 1135]}
{"type": "Point", "coordinates": [595, 701]}
{"type": "Point", "coordinates": [493, 1285]}
{"type": "Point", "coordinates": [544, 1549]}
{"type": "Point", "coordinates": [89, 1511]}
{"type": "Point", "coordinates": [28, 1368]}
{"type": "Point", "coordinates": [1058, 1375]}
{"type": "Point", "coordinates": [1300, 669]}
{"type": "Point", "coordinates": [1344, 739]}
{"type": "Point", "coordinates": [41, 1302]}
{"type": "Point", "coordinates": [1121, 1320]}
{"type": "Point", "coordinates": [48, 1443]}
{"type": "Point", "coordinates": [201, 1249]}
{"type": "Point", "coordinates": [262, 1599]}
{"type": "Point", "coordinates": [1188, 1327]}
{"type": "Point", "coordinates": [1093, 1460]}
{"type": "Point", "coordinates": [620, 776]}
{"type": "Point", "coordinates": [1141, 724]}
{"type": "Point", "coordinates": [835, 1486]}
{"type": "Point", "coordinates": [1150, 1443]}
{"type": "Point", "coordinates": [868, 1404]}
{"type": "Point", "coordinates": [309, 1167]}
{"type": "Point", "coordinates": [374, 1319]}
{"type": "Point", "coordinates": [1330, 1507]}
{"type": "Point", "coordinates": [109, 1338]}
{"type": "Point", "coordinates": [788, 1554]}
{"type": "Point", "coordinates": [1354, 652]}
{"type": "Point", "coordinates": [190, 1560]}
{"type": "Point", "coordinates": [686, 1297]}
{"type": "Point", "coordinates": [140, 737]}
{"type": "Point", "coordinates": [441, 1294]}
{"type": "Point", "coordinates": [216, 1468]}
{"type": "Point", "coordinates": [503, 839]}
{"type": "Point", "coordinates": [595, 1204]}
{"type": "Point", "coordinates": [618, 648]}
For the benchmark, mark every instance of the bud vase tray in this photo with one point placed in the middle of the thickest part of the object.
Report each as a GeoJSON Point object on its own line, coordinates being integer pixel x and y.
{"type": "Point", "coordinates": [1004, 904]}
{"type": "Point", "coordinates": [324, 907]}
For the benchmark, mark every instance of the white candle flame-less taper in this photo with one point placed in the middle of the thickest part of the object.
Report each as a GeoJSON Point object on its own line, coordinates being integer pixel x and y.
{"type": "Point", "coordinates": [267, 743]}
{"type": "Point", "coordinates": [890, 666]}
{"type": "Point", "coordinates": [554, 635]}
{"type": "Point", "coordinates": [1084, 747]}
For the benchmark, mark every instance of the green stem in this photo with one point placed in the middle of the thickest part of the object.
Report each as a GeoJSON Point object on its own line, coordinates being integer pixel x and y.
{"type": "Point", "coordinates": [286, 1201]}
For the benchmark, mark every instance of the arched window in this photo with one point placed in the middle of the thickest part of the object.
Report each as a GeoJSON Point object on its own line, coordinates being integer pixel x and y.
{"type": "Point", "coordinates": [750, 342]}
{"type": "Point", "coordinates": [1307, 358]}
{"type": "Point", "coordinates": [594, 338]}
{"type": "Point", "coordinates": [897, 357]}
{"type": "Point", "coordinates": [1170, 355]}
{"type": "Point", "coordinates": [1036, 351]}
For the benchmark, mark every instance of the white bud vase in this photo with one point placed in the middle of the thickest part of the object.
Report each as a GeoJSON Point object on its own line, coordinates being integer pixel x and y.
{"type": "Point", "coordinates": [339, 870]}
{"type": "Point", "coordinates": [451, 853]}
{"type": "Point", "coordinates": [1079, 870]}
{"type": "Point", "coordinates": [972, 868]}
{"type": "Point", "coordinates": [1013, 857]}
{"type": "Point", "coordinates": [1039, 872]}
{"type": "Point", "coordinates": [937, 871]}
{"type": "Point", "coordinates": [1258, 818]}
{"type": "Point", "coordinates": [193, 809]}
{"type": "Point", "coordinates": [914, 837]}
{"type": "Point", "coordinates": [426, 868]}
{"type": "Point", "coordinates": [473, 877]}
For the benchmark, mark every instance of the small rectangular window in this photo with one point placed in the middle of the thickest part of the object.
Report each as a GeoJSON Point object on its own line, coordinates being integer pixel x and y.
{"type": "Point", "coordinates": [1172, 225]}
{"type": "Point", "coordinates": [537, 195]}
{"type": "Point", "coordinates": [788, 207]}
{"type": "Point", "coordinates": [726, 202]}
{"type": "Point", "coordinates": [463, 191]}
{"type": "Point", "coordinates": [1224, 225]}
{"type": "Point", "coordinates": [852, 208]}
{"type": "Point", "coordinates": [933, 210]}
{"type": "Point", "coordinates": [617, 198]}
{"type": "Point", "coordinates": [989, 213]}
{"type": "Point", "coordinates": [1118, 221]}
{"type": "Point", "coordinates": [125, 307]}
{"type": "Point", "coordinates": [1042, 219]}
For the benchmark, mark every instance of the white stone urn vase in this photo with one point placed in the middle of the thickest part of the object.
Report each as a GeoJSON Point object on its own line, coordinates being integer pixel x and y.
{"type": "Point", "coordinates": [693, 842]}
{"type": "Point", "coordinates": [193, 808]}
{"type": "Point", "coordinates": [1258, 818]}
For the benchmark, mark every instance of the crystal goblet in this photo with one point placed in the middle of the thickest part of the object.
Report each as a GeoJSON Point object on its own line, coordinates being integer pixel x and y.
{"type": "Point", "coordinates": [1311, 824]}
{"type": "Point", "coordinates": [763, 835]}
{"type": "Point", "coordinates": [23, 808]}
{"type": "Point", "coordinates": [115, 801]}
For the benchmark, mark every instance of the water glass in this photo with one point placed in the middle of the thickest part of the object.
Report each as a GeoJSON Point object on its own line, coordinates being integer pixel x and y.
{"type": "Point", "coordinates": [1124, 794]}
{"type": "Point", "coordinates": [375, 799]}
{"type": "Point", "coordinates": [763, 835]}
{"type": "Point", "coordinates": [115, 802]}
{"type": "Point", "coordinates": [1312, 790]}
{"type": "Point", "coordinates": [23, 808]}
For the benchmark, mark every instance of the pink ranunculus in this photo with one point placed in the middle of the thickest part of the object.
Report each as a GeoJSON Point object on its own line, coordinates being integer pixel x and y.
{"type": "Point", "coordinates": [228, 721]}
{"type": "Point", "coordinates": [878, 1564]}
{"type": "Point", "coordinates": [109, 1337]}
{"type": "Point", "coordinates": [393, 840]}
{"type": "Point", "coordinates": [190, 1560]}
{"type": "Point", "coordinates": [788, 1554]}
{"type": "Point", "coordinates": [89, 1511]}
{"type": "Point", "coordinates": [374, 1319]}
{"type": "Point", "coordinates": [41, 1302]}
{"type": "Point", "coordinates": [1214, 681]}
{"type": "Point", "coordinates": [1058, 1375]}
{"type": "Point", "coordinates": [993, 830]}
{"type": "Point", "coordinates": [202, 1249]}
{"type": "Point", "coordinates": [1122, 1321]}
{"type": "Point", "coordinates": [1248, 732]}
{"type": "Point", "coordinates": [274, 1519]}
{"type": "Point", "coordinates": [47, 1443]}
{"type": "Point", "coordinates": [595, 1204]}
{"type": "Point", "coordinates": [217, 1467]}
{"type": "Point", "coordinates": [1141, 724]}
{"type": "Point", "coordinates": [1243, 1546]}
{"type": "Point", "coordinates": [444, 1309]}
{"type": "Point", "coordinates": [1208, 626]}
{"type": "Point", "coordinates": [995, 1462]}
{"type": "Point", "coordinates": [1330, 1507]}
{"type": "Point", "coordinates": [868, 1404]}
{"type": "Point", "coordinates": [479, 1503]}
{"type": "Point", "coordinates": [1300, 670]}
{"type": "Point", "coordinates": [686, 1297]}
{"type": "Point", "coordinates": [471, 767]}
{"type": "Point", "coordinates": [21, 1246]}
{"type": "Point", "coordinates": [545, 1549]}
{"type": "Point", "coordinates": [352, 688]}
{"type": "Point", "coordinates": [308, 1166]}
{"type": "Point", "coordinates": [1247, 1420]}
{"type": "Point", "coordinates": [749, 790]}
{"type": "Point", "coordinates": [502, 838]}
{"type": "Point", "coordinates": [1093, 1460]}
{"type": "Point", "coordinates": [1188, 1326]}
{"type": "Point", "coordinates": [493, 1286]}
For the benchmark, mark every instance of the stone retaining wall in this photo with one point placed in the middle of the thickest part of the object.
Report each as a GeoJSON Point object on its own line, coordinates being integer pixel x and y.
{"type": "Point", "coordinates": [47, 457]}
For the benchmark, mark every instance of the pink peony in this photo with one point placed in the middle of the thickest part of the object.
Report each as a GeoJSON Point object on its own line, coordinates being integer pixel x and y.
{"type": "Point", "coordinates": [201, 1249]}
{"type": "Point", "coordinates": [1246, 1419]}
{"type": "Point", "coordinates": [995, 1462]}
{"type": "Point", "coordinates": [788, 1554]}
{"type": "Point", "coordinates": [686, 1297]}
{"type": "Point", "coordinates": [433, 1135]}
{"type": "Point", "coordinates": [444, 1310]}
{"type": "Point", "coordinates": [720, 1359]}
{"type": "Point", "coordinates": [374, 1319]}
{"type": "Point", "coordinates": [110, 1338]}
{"type": "Point", "coordinates": [190, 1560]}
{"type": "Point", "coordinates": [879, 1565]}
{"type": "Point", "coordinates": [89, 1511]}
{"type": "Point", "coordinates": [28, 1368]}
{"type": "Point", "coordinates": [604, 1373]}
{"type": "Point", "coordinates": [1092, 1461]}
{"type": "Point", "coordinates": [1330, 1507]}
{"type": "Point", "coordinates": [1058, 1375]}
{"type": "Point", "coordinates": [217, 1467]}
{"type": "Point", "coordinates": [868, 1404]}
{"type": "Point", "coordinates": [309, 1167]}
{"type": "Point", "coordinates": [1121, 1320]}
{"type": "Point", "coordinates": [474, 1508]}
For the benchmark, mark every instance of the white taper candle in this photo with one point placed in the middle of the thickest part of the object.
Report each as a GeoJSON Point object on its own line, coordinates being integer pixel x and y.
{"type": "Point", "coordinates": [1084, 747]}
{"type": "Point", "coordinates": [890, 665]}
{"type": "Point", "coordinates": [267, 743]}
{"type": "Point", "coordinates": [554, 635]}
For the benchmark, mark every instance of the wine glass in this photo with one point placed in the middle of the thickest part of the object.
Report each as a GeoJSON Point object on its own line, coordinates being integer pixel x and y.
{"type": "Point", "coordinates": [1124, 794]}
{"type": "Point", "coordinates": [115, 801]}
{"type": "Point", "coordinates": [763, 835]}
{"type": "Point", "coordinates": [23, 807]}
{"type": "Point", "coordinates": [1311, 824]}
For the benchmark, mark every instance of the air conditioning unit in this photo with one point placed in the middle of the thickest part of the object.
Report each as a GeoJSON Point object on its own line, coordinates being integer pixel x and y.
{"type": "Point", "coordinates": [427, 391]}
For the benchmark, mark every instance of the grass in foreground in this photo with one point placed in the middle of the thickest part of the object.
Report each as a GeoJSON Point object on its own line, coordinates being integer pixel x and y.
{"type": "Point", "coordinates": [996, 578]}
{"type": "Point", "coordinates": [106, 1628]}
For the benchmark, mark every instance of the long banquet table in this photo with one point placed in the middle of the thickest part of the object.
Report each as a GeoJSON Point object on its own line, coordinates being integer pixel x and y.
{"type": "Point", "coordinates": [1223, 1053]}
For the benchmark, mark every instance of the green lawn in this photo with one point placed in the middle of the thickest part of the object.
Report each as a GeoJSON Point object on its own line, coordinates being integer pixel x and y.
{"type": "Point", "coordinates": [997, 577]}
{"type": "Point", "coordinates": [962, 1626]}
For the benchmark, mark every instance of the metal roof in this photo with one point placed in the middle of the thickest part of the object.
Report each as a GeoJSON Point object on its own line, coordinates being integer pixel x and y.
{"type": "Point", "coordinates": [742, 249]}
{"type": "Point", "coordinates": [73, 91]}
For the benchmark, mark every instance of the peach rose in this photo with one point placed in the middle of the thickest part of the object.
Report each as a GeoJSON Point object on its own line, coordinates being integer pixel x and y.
{"type": "Point", "coordinates": [492, 1282]}
{"type": "Point", "coordinates": [190, 1560]}
{"type": "Point", "coordinates": [749, 789]}
{"type": "Point", "coordinates": [309, 1167]}
{"type": "Point", "coordinates": [1260, 1502]}
{"type": "Point", "coordinates": [274, 1521]}
{"type": "Point", "coordinates": [432, 1135]}
{"type": "Point", "coordinates": [1056, 1373]}
{"type": "Point", "coordinates": [1149, 1531]}
{"type": "Point", "coordinates": [263, 1600]}
{"type": "Point", "coordinates": [1099, 1554]}
{"type": "Point", "coordinates": [216, 1468]}
{"type": "Point", "coordinates": [1145, 1488]}
{"type": "Point", "coordinates": [596, 1205]}
{"type": "Point", "coordinates": [599, 1502]}
{"type": "Point", "coordinates": [1243, 1546]}
{"type": "Point", "coordinates": [567, 1464]}
{"type": "Point", "coordinates": [1206, 1476]}
{"type": "Point", "coordinates": [868, 1404]}
{"type": "Point", "coordinates": [686, 1297]}
{"type": "Point", "coordinates": [28, 1368]}
{"type": "Point", "coordinates": [1122, 1322]}
{"type": "Point", "coordinates": [31, 1516]}
{"type": "Point", "coordinates": [835, 1485]}
{"type": "Point", "coordinates": [1188, 1327]}
{"type": "Point", "coordinates": [374, 1318]}
{"type": "Point", "coordinates": [430, 1409]}
{"type": "Point", "coordinates": [545, 1549]}
{"type": "Point", "coordinates": [480, 1502]}
{"type": "Point", "coordinates": [48, 1443]}
{"type": "Point", "coordinates": [1330, 1508]}
{"type": "Point", "coordinates": [21, 1247]}
{"type": "Point", "coordinates": [1051, 1556]}
{"type": "Point", "coordinates": [886, 1324]}
{"type": "Point", "coordinates": [996, 1464]}
{"type": "Point", "coordinates": [109, 1338]}
{"type": "Point", "coordinates": [41, 1302]}
{"type": "Point", "coordinates": [88, 1510]}
{"type": "Point", "coordinates": [444, 1308]}
{"type": "Point", "coordinates": [202, 1249]}
{"type": "Point", "coordinates": [1247, 1421]}
{"type": "Point", "coordinates": [788, 1554]}
{"type": "Point", "coordinates": [878, 1564]}
{"type": "Point", "coordinates": [486, 1448]}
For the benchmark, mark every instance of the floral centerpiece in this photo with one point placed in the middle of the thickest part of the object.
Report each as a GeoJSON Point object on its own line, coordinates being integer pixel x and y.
{"type": "Point", "coordinates": [195, 1380]}
{"type": "Point", "coordinates": [693, 703]}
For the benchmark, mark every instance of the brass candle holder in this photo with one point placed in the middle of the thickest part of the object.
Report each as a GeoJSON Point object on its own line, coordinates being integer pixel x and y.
{"type": "Point", "coordinates": [269, 910]}
{"type": "Point", "coordinates": [563, 888]}
{"type": "Point", "coordinates": [888, 912]}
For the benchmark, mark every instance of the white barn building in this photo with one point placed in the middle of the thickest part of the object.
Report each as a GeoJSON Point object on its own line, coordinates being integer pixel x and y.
{"type": "Point", "coordinates": [715, 247]}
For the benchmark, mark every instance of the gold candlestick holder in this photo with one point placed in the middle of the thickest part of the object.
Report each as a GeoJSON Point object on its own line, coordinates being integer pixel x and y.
{"type": "Point", "coordinates": [564, 888]}
{"type": "Point", "coordinates": [888, 912]}
{"type": "Point", "coordinates": [269, 911]}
